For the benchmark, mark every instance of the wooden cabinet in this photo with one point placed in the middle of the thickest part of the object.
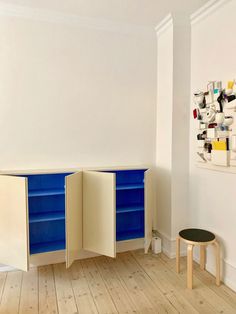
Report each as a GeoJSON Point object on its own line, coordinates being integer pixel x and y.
{"type": "Point", "coordinates": [40, 213]}
{"type": "Point", "coordinates": [120, 209]}
{"type": "Point", "coordinates": [14, 227]}
{"type": "Point", "coordinates": [99, 220]}
{"type": "Point", "coordinates": [71, 211]}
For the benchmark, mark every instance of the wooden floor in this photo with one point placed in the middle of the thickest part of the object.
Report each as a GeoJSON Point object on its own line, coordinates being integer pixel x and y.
{"type": "Point", "coordinates": [131, 283]}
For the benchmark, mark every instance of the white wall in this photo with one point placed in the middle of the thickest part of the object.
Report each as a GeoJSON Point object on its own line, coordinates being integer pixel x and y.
{"type": "Point", "coordinates": [180, 122]}
{"type": "Point", "coordinates": [212, 194]}
{"type": "Point", "coordinates": [75, 96]}
{"type": "Point", "coordinates": [164, 128]}
{"type": "Point", "coordinates": [172, 149]}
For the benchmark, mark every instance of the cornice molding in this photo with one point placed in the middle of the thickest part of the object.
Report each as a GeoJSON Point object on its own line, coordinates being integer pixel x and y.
{"type": "Point", "coordinates": [209, 8]}
{"type": "Point", "coordinates": [164, 24]}
{"type": "Point", "coordinates": [51, 16]}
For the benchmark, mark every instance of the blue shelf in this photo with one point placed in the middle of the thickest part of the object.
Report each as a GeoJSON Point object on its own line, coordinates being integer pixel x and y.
{"type": "Point", "coordinates": [131, 186]}
{"type": "Point", "coordinates": [46, 197]}
{"type": "Point", "coordinates": [42, 217]}
{"type": "Point", "coordinates": [129, 208]}
{"type": "Point", "coordinates": [36, 193]}
{"type": "Point", "coordinates": [128, 235]}
{"type": "Point", "coordinates": [47, 247]}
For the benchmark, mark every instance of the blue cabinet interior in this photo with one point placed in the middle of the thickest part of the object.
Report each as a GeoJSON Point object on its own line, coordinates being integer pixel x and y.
{"type": "Point", "coordinates": [46, 200]}
{"type": "Point", "coordinates": [129, 204]}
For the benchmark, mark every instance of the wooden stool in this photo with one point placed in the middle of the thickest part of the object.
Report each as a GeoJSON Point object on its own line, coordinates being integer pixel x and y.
{"type": "Point", "coordinates": [202, 238]}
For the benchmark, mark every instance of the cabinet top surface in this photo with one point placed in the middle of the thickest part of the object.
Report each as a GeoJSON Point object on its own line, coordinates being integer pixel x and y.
{"type": "Point", "coordinates": [66, 170]}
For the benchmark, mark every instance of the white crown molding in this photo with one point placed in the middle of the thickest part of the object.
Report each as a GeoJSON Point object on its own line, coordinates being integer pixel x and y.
{"type": "Point", "coordinates": [164, 24]}
{"type": "Point", "coordinates": [207, 9]}
{"type": "Point", "coordinates": [50, 16]}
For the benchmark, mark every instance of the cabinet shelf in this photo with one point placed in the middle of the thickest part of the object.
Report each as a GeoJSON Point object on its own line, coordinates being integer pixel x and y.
{"type": "Point", "coordinates": [47, 247]}
{"type": "Point", "coordinates": [129, 208]}
{"type": "Point", "coordinates": [128, 235]}
{"type": "Point", "coordinates": [36, 193]}
{"type": "Point", "coordinates": [132, 186]}
{"type": "Point", "coordinates": [42, 217]}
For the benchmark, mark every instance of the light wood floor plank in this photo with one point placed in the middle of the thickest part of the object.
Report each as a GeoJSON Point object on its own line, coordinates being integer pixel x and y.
{"type": "Point", "coordinates": [65, 295]}
{"type": "Point", "coordinates": [171, 283]}
{"type": "Point", "coordinates": [136, 292]}
{"type": "Point", "coordinates": [83, 296]}
{"type": "Point", "coordinates": [47, 291]}
{"type": "Point", "coordinates": [102, 298]}
{"type": "Point", "coordinates": [164, 303]}
{"type": "Point", "coordinates": [29, 292]}
{"type": "Point", "coordinates": [11, 294]}
{"type": "Point", "coordinates": [116, 289]}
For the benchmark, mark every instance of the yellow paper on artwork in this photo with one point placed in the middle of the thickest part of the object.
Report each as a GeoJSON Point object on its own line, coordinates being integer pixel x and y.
{"type": "Point", "coordinates": [230, 85]}
{"type": "Point", "coordinates": [219, 145]}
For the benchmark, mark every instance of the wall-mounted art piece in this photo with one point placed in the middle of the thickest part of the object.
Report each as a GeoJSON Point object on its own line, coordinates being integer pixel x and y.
{"type": "Point", "coordinates": [215, 116]}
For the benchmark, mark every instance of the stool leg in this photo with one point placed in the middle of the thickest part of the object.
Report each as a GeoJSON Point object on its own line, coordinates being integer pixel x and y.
{"type": "Point", "coordinates": [178, 254]}
{"type": "Point", "coordinates": [217, 254]}
{"type": "Point", "coordinates": [190, 267]}
{"type": "Point", "coordinates": [202, 256]}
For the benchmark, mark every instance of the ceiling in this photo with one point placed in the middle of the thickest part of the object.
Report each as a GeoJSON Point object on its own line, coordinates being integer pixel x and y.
{"type": "Point", "coordinates": [143, 12]}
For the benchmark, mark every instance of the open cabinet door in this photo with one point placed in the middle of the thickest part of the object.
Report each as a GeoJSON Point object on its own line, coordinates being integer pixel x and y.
{"type": "Point", "coordinates": [14, 225]}
{"type": "Point", "coordinates": [99, 212]}
{"type": "Point", "coordinates": [74, 222]}
{"type": "Point", "coordinates": [149, 204]}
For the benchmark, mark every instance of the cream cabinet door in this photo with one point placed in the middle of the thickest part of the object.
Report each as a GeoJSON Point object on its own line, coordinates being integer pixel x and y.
{"type": "Point", "coordinates": [99, 212]}
{"type": "Point", "coordinates": [14, 224]}
{"type": "Point", "coordinates": [149, 204]}
{"type": "Point", "coordinates": [74, 222]}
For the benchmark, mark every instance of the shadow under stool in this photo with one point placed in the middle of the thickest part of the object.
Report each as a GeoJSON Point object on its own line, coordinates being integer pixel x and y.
{"type": "Point", "coordinates": [201, 238]}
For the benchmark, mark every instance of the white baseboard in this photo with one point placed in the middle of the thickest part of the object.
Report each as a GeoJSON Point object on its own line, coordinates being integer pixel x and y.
{"type": "Point", "coordinates": [228, 271]}
{"type": "Point", "coordinates": [59, 256]}
{"type": "Point", "coordinates": [4, 268]}
{"type": "Point", "coordinates": [169, 245]}
{"type": "Point", "coordinates": [230, 275]}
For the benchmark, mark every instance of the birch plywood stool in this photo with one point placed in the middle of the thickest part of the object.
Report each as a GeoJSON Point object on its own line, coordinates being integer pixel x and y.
{"type": "Point", "coordinates": [194, 237]}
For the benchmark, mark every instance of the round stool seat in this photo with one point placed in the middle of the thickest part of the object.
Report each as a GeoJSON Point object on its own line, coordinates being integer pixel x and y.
{"type": "Point", "coordinates": [197, 235]}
